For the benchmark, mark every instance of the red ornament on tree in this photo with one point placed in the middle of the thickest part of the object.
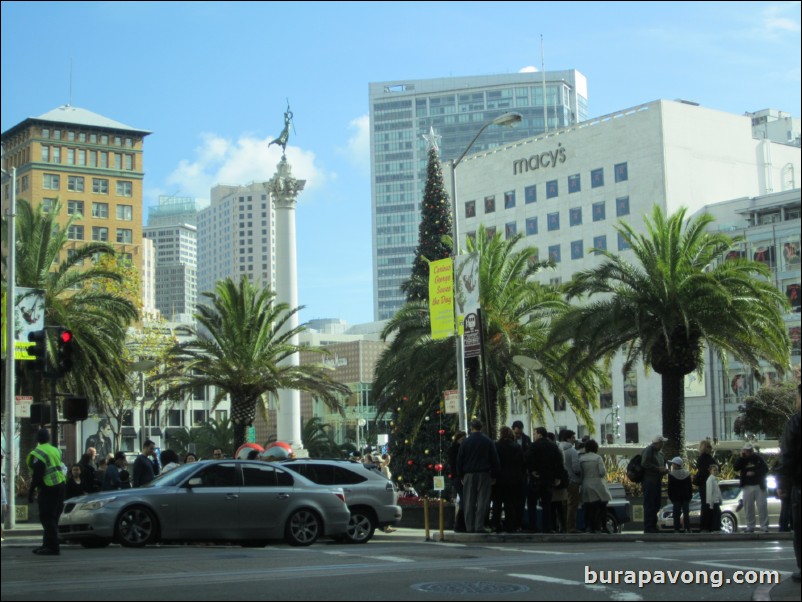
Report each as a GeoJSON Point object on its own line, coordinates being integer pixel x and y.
{"type": "Point", "coordinates": [442, 432]}
{"type": "Point", "coordinates": [409, 462]}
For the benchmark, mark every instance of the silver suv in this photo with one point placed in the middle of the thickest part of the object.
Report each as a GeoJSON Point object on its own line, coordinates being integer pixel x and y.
{"type": "Point", "coordinates": [371, 497]}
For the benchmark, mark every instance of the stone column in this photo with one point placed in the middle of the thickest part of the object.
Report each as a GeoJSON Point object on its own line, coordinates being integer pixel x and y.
{"type": "Point", "coordinates": [284, 189]}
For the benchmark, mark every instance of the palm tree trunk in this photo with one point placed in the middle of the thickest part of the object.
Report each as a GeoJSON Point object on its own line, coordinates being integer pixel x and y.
{"type": "Point", "coordinates": [673, 386]}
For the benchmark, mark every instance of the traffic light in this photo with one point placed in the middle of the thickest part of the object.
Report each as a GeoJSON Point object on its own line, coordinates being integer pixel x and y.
{"type": "Point", "coordinates": [76, 409]}
{"type": "Point", "coordinates": [65, 343]}
{"type": "Point", "coordinates": [40, 413]}
{"type": "Point", "coordinates": [39, 349]}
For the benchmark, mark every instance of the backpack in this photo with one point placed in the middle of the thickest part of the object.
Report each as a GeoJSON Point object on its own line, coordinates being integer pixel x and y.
{"type": "Point", "coordinates": [635, 470]}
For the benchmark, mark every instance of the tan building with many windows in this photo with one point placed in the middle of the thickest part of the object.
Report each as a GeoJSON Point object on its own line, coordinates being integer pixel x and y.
{"type": "Point", "coordinates": [91, 164]}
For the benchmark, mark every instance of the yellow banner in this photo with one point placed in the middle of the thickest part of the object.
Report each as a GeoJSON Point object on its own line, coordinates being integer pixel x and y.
{"type": "Point", "coordinates": [441, 298]}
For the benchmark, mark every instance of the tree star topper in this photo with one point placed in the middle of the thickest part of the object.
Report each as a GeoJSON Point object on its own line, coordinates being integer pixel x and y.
{"type": "Point", "coordinates": [433, 139]}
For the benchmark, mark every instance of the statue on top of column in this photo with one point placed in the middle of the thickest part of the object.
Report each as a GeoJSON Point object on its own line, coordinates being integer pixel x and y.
{"type": "Point", "coordinates": [284, 136]}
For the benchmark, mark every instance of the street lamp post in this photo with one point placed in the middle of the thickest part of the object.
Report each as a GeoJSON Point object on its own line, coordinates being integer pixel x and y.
{"type": "Point", "coordinates": [10, 454]}
{"type": "Point", "coordinates": [508, 119]}
{"type": "Point", "coordinates": [615, 423]}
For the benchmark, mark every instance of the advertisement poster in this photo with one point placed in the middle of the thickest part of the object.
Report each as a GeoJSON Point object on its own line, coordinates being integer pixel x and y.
{"type": "Point", "coordinates": [441, 298]}
{"type": "Point", "coordinates": [29, 315]}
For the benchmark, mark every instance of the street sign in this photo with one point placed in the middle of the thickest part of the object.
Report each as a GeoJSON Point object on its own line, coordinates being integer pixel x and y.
{"type": "Point", "coordinates": [452, 402]}
{"type": "Point", "coordinates": [22, 406]}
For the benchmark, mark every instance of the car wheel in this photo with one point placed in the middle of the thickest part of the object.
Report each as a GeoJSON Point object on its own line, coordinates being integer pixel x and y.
{"type": "Point", "coordinates": [95, 542]}
{"type": "Point", "coordinates": [303, 528]}
{"type": "Point", "coordinates": [729, 524]}
{"type": "Point", "coordinates": [136, 527]}
{"type": "Point", "coordinates": [611, 524]}
{"type": "Point", "coordinates": [361, 526]}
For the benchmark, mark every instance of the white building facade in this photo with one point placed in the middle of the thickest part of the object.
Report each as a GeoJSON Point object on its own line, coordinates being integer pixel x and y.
{"type": "Point", "coordinates": [236, 237]}
{"type": "Point", "coordinates": [565, 192]}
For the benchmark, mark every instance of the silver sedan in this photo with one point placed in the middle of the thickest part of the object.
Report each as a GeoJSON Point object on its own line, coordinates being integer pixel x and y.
{"type": "Point", "coordinates": [224, 500]}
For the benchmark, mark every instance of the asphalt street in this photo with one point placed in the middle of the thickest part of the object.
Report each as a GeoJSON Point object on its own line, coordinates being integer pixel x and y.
{"type": "Point", "coordinates": [399, 566]}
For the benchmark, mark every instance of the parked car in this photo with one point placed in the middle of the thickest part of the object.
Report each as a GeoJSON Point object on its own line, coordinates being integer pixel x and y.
{"type": "Point", "coordinates": [733, 513]}
{"type": "Point", "coordinates": [371, 497]}
{"type": "Point", "coordinates": [619, 511]}
{"type": "Point", "coordinates": [224, 500]}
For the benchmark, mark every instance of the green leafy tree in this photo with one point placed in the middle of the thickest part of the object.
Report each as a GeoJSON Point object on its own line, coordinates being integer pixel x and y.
{"type": "Point", "coordinates": [434, 230]}
{"type": "Point", "coordinates": [517, 314]}
{"type": "Point", "coordinates": [77, 296]}
{"type": "Point", "coordinates": [204, 439]}
{"type": "Point", "coordinates": [674, 296]}
{"type": "Point", "coordinates": [767, 411]}
{"type": "Point", "coordinates": [242, 338]}
{"type": "Point", "coordinates": [318, 439]}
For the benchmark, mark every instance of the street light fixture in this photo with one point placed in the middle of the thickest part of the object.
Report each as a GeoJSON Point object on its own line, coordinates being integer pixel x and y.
{"type": "Point", "coordinates": [615, 424]}
{"type": "Point", "coordinates": [510, 120]}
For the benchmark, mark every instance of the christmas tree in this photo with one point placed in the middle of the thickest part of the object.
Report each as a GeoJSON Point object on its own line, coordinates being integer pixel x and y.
{"type": "Point", "coordinates": [419, 446]}
{"type": "Point", "coordinates": [435, 223]}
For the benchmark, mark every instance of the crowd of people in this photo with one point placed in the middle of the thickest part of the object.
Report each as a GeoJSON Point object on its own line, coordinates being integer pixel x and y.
{"type": "Point", "coordinates": [518, 475]}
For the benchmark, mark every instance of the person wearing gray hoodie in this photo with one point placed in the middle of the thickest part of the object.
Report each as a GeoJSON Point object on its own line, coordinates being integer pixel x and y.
{"type": "Point", "coordinates": [680, 492]}
{"type": "Point", "coordinates": [571, 456]}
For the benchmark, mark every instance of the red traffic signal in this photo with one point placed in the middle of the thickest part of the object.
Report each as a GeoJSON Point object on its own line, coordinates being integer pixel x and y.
{"type": "Point", "coordinates": [65, 342]}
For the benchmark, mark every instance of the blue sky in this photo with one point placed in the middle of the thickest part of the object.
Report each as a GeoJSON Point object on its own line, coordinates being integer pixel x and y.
{"type": "Point", "coordinates": [210, 80]}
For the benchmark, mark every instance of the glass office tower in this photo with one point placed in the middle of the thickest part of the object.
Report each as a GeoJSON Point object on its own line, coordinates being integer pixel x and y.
{"type": "Point", "coordinates": [456, 107]}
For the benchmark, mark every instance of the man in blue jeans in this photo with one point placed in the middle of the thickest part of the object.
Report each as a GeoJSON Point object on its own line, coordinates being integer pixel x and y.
{"type": "Point", "coordinates": [477, 466]}
{"type": "Point", "coordinates": [654, 467]}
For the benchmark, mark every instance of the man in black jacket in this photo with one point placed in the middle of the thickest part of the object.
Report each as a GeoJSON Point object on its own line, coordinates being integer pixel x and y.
{"type": "Point", "coordinates": [145, 469]}
{"type": "Point", "coordinates": [544, 462]}
{"type": "Point", "coordinates": [753, 470]}
{"type": "Point", "coordinates": [477, 466]}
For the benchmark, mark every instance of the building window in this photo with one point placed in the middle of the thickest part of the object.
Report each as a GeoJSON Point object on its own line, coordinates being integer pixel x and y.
{"type": "Point", "coordinates": [622, 206]}
{"type": "Point", "coordinates": [631, 432]}
{"type": "Point", "coordinates": [554, 253]}
{"type": "Point", "coordinates": [48, 204]}
{"type": "Point", "coordinates": [125, 213]}
{"type": "Point", "coordinates": [104, 159]}
{"type": "Point", "coordinates": [621, 172]}
{"type": "Point", "coordinates": [470, 209]}
{"type": "Point", "coordinates": [509, 199]}
{"type": "Point", "coordinates": [606, 398]}
{"type": "Point", "coordinates": [490, 204]}
{"type": "Point", "coordinates": [129, 162]}
{"type": "Point", "coordinates": [71, 254]}
{"type": "Point", "coordinates": [577, 249]}
{"type": "Point", "coordinates": [599, 213]}
{"type": "Point", "coordinates": [530, 194]}
{"type": "Point", "coordinates": [510, 230]}
{"type": "Point", "coordinates": [51, 181]}
{"type": "Point", "coordinates": [100, 186]}
{"type": "Point", "coordinates": [491, 232]}
{"type": "Point", "coordinates": [125, 188]}
{"type": "Point", "coordinates": [125, 235]}
{"type": "Point", "coordinates": [75, 232]}
{"type": "Point", "coordinates": [552, 190]}
{"type": "Point", "coordinates": [531, 226]}
{"type": "Point", "coordinates": [71, 156]}
{"type": "Point", "coordinates": [553, 221]}
{"type": "Point", "coordinates": [75, 207]}
{"type": "Point", "coordinates": [631, 390]}
{"type": "Point", "coordinates": [574, 184]}
{"type": "Point", "coordinates": [75, 183]}
{"type": "Point", "coordinates": [100, 210]}
{"type": "Point", "coordinates": [559, 404]}
{"type": "Point", "coordinates": [575, 216]}
{"type": "Point", "coordinates": [46, 154]}
{"type": "Point", "coordinates": [100, 233]}
{"type": "Point", "coordinates": [623, 245]}
{"type": "Point", "coordinates": [597, 178]}
{"type": "Point", "coordinates": [599, 244]}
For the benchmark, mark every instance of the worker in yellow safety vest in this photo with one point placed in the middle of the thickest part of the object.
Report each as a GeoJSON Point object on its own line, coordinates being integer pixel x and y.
{"type": "Point", "coordinates": [49, 479]}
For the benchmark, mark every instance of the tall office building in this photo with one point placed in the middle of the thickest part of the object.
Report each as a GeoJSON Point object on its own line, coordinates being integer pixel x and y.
{"type": "Point", "coordinates": [456, 107]}
{"type": "Point", "coordinates": [172, 226]}
{"type": "Point", "coordinates": [236, 236]}
{"type": "Point", "coordinates": [90, 163]}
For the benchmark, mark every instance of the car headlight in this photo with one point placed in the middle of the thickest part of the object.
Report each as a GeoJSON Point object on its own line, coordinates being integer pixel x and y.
{"type": "Point", "coordinates": [96, 504]}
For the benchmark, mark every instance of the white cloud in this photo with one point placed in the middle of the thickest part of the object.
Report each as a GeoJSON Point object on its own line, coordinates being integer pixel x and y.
{"type": "Point", "coordinates": [528, 69]}
{"type": "Point", "coordinates": [357, 149]}
{"type": "Point", "coordinates": [248, 159]}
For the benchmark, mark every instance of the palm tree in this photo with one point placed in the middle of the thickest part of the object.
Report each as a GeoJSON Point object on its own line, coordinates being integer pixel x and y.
{"type": "Point", "coordinates": [76, 296]}
{"type": "Point", "coordinates": [671, 301]}
{"type": "Point", "coordinates": [318, 439]}
{"type": "Point", "coordinates": [239, 348]}
{"type": "Point", "coordinates": [517, 312]}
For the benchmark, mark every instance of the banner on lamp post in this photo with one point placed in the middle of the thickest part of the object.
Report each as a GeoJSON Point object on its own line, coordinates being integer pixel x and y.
{"type": "Point", "coordinates": [466, 270]}
{"type": "Point", "coordinates": [441, 298]}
